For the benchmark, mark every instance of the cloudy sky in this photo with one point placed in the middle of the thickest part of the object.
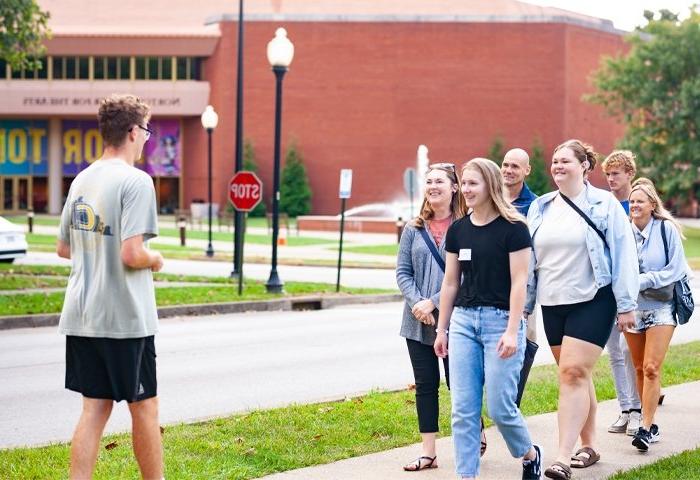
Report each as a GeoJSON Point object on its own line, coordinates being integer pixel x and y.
{"type": "Point", "coordinates": [625, 14]}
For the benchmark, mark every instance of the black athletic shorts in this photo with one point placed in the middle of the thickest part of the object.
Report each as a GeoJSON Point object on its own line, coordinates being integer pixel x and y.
{"type": "Point", "coordinates": [590, 321]}
{"type": "Point", "coordinates": [109, 368]}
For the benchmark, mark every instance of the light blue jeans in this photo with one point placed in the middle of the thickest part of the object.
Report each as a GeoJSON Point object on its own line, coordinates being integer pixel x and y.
{"type": "Point", "coordinates": [474, 363]}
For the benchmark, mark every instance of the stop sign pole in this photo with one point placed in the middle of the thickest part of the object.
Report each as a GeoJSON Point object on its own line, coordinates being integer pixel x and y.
{"type": "Point", "coordinates": [245, 193]}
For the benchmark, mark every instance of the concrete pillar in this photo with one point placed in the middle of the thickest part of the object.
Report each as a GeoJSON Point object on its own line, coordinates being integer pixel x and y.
{"type": "Point", "coordinates": [55, 167]}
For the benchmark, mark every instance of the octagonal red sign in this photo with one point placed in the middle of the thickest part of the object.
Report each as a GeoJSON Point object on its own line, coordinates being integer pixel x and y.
{"type": "Point", "coordinates": [245, 191]}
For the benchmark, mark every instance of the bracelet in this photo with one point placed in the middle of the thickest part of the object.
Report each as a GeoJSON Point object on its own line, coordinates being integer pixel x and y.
{"type": "Point", "coordinates": [438, 330]}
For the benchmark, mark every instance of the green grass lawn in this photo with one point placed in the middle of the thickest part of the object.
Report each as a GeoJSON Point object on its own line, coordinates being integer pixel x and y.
{"type": "Point", "coordinates": [384, 249]}
{"type": "Point", "coordinates": [52, 302]}
{"type": "Point", "coordinates": [44, 220]}
{"type": "Point", "coordinates": [292, 240]}
{"type": "Point", "coordinates": [263, 442]}
{"type": "Point", "coordinates": [684, 466]}
{"type": "Point", "coordinates": [13, 281]}
{"type": "Point", "coordinates": [691, 245]}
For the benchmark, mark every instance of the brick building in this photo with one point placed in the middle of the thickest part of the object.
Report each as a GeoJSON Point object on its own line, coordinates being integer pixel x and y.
{"type": "Point", "coordinates": [370, 82]}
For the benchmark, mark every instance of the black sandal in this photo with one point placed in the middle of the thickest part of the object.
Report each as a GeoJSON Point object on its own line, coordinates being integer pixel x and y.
{"type": "Point", "coordinates": [418, 465]}
{"type": "Point", "coordinates": [483, 439]}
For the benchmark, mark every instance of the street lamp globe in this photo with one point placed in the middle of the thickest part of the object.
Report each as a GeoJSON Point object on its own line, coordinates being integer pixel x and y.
{"type": "Point", "coordinates": [280, 50]}
{"type": "Point", "coordinates": [210, 119]}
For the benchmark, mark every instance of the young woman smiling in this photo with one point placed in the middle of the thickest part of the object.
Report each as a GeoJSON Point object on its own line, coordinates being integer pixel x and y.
{"type": "Point", "coordinates": [582, 273]}
{"type": "Point", "coordinates": [419, 276]}
{"type": "Point", "coordinates": [481, 301]}
{"type": "Point", "coordinates": [660, 267]}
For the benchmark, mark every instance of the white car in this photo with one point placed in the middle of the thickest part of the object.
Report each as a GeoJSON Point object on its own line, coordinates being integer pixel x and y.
{"type": "Point", "coordinates": [13, 243]}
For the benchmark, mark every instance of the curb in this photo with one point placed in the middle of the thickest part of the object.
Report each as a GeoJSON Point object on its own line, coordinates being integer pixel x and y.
{"type": "Point", "coordinates": [308, 302]}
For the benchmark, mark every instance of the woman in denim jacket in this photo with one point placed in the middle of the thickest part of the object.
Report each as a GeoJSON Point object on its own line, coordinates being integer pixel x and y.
{"type": "Point", "coordinates": [583, 282]}
{"type": "Point", "coordinates": [419, 278]}
{"type": "Point", "coordinates": [651, 334]}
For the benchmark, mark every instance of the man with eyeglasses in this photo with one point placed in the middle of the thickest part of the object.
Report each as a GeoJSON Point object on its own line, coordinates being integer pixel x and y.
{"type": "Point", "coordinates": [109, 314]}
{"type": "Point", "coordinates": [514, 168]}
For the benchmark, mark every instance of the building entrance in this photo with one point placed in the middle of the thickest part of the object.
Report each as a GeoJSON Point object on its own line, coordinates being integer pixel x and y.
{"type": "Point", "coordinates": [15, 194]}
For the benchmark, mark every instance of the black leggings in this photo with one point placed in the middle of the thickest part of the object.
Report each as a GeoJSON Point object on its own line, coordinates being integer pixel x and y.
{"type": "Point", "coordinates": [590, 321]}
{"type": "Point", "coordinates": [426, 371]}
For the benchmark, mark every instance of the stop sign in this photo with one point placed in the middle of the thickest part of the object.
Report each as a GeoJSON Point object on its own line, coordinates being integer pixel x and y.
{"type": "Point", "coordinates": [245, 191]}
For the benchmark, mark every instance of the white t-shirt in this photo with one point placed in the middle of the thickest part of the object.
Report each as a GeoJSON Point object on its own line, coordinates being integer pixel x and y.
{"type": "Point", "coordinates": [564, 270]}
{"type": "Point", "coordinates": [108, 202]}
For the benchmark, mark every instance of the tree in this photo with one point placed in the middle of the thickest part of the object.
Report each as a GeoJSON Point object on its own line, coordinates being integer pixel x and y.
{"type": "Point", "coordinates": [295, 192]}
{"type": "Point", "coordinates": [655, 90]}
{"type": "Point", "coordinates": [23, 28]}
{"type": "Point", "coordinates": [249, 163]}
{"type": "Point", "coordinates": [496, 152]}
{"type": "Point", "coordinates": [538, 180]}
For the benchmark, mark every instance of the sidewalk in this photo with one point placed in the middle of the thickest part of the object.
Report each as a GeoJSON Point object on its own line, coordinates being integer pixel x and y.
{"type": "Point", "coordinates": [677, 420]}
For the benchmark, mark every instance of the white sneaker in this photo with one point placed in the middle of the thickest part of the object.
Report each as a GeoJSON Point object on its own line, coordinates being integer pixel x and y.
{"type": "Point", "coordinates": [620, 425]}
{"type": "Point", "coordinates": [635, 421]}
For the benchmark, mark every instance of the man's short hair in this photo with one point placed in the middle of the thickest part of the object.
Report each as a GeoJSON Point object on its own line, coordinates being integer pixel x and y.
{"type": "Point", "coordinates": [117, 114]}
{"type": "Point", "coordinates": [623, 159]}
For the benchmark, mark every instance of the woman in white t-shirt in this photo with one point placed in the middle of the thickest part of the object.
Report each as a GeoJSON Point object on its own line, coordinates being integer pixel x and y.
{"type": "Point", "coordinates": [582, 273]}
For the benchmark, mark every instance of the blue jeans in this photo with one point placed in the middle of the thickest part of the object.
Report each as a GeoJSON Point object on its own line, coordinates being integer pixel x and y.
{"type": "Point", "coordinates": [474, 363]}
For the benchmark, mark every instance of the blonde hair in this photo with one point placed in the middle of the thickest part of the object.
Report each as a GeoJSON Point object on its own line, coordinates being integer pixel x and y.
{"type": "Point", "coordinates": [660, 212]}
{"type": "Point", "coordinates": [491, 174]}
{"type": "Point", "coordinates": [623, 159]}
{"type": "Point", "coordinates": [458, 206]}
{"type": "Point", "coordinates": [582, 151]}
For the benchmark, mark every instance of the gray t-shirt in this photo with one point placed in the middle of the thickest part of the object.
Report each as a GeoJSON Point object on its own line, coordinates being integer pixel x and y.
{"type": "Point", "coordinates": [108, 202]}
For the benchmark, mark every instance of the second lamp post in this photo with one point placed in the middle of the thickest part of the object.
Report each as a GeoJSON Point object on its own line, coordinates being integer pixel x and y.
{"type": "Point", "coordinates": [280, 52]}
{"type": "Point", "coordinates": [209, 121]}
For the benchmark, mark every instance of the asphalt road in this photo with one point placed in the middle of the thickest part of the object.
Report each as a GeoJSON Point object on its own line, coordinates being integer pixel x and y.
{"type": "Point", "coordinates": [215, 365]}
{"type": "Point", "coordinates": [211, 366]}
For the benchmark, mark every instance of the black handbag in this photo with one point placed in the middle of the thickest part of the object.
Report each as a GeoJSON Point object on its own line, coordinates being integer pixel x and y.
{"type": "Point", "coordinates": [683, 303]}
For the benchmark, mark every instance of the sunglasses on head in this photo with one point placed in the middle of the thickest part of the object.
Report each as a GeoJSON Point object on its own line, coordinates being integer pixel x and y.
{"type": "Point", "coordinates": [443, 166]}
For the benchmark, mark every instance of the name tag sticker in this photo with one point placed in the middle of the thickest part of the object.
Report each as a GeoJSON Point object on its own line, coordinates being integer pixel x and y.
{"type": "Point", "coordinates": [465, 255]}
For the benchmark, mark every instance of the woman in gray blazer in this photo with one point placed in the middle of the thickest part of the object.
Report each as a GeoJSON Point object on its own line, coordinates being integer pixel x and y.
{"type": "Point", "coordinates": [419, 272]}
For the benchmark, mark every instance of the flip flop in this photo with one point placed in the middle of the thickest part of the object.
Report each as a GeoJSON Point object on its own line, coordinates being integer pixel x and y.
{"type": "Point", "coordinates": [587, 456]}
{"type": "Point", "coordinates": [418, 464]}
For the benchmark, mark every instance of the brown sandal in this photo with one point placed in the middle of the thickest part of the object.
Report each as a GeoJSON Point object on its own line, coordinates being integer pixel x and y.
{"type": "Point", "coordinates": [558, 471]}
{"type": "Point", "coordinates": [587, 456]}
{"type": "Point", "coordinates": [483, 439]}
{"type": "Point", "coordinates": [418, 465]}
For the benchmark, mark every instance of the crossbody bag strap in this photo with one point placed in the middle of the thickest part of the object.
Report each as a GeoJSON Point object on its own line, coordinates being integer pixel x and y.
{"type": "Point", "coordinates": [663, 237]}
{"type": "Point", "coordinates": [432, 248]}
{"type": "Point", "coordinates": [586, 218]}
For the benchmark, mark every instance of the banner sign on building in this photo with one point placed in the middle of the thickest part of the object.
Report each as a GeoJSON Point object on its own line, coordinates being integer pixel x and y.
{"type": "Point", "coordinates": [24, 147]}
{"type": "Point", "coordinates": [162, 153]}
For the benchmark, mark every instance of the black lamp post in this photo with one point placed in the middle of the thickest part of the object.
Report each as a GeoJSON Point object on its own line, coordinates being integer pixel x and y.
{"type": "Point", "coordinates": [280, 52]}
{"type": "Point", "coordinates": [238, 216]}
{"type": "Point", "coordinates": [209, 121]}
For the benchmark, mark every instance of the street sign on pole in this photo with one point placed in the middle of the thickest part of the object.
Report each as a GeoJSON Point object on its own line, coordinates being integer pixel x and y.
{"type": "Point", "coordinates": [344, 194]}
{"type": "Point", "coordinates": [345, 183]}
{"type": "Point", "coordinates": [244, 192]}
{"type": "Point", "coordinates": [410, 185]}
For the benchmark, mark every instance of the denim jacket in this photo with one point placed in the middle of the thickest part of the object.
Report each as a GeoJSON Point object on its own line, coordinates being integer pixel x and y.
{"type": "Point", "coordinates": [655, 272]}
{"type": "Point", "coordinates": [618, 265]}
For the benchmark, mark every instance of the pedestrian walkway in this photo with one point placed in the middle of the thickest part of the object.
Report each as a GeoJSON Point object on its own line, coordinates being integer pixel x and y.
{"type": "Point", "coordinates": [679, 432]}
